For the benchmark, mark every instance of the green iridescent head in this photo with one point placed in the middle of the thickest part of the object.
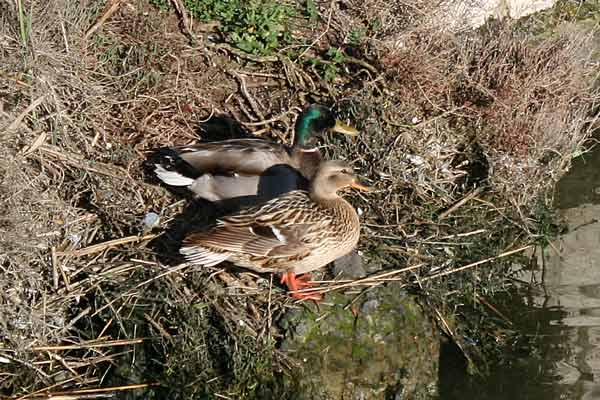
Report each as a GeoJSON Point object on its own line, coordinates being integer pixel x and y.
{"type": "Point", "coordinates": [314, 121]}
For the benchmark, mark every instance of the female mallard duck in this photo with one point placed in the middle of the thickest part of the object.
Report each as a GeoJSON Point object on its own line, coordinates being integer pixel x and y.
{"type": "Point", "coordinates": [292, 234]}
{"type": "Point", "coordinates": [259, 168]}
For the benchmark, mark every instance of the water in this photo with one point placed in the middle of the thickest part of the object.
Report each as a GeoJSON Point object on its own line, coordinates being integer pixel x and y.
{"type": "Point", "coordinates": [561, 315]}
{"type": "Point", "coordinates": [572, 279]}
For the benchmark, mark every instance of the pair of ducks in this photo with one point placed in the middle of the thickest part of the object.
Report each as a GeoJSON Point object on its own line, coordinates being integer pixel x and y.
{"type": "Point", "coordinates": [298, 222]}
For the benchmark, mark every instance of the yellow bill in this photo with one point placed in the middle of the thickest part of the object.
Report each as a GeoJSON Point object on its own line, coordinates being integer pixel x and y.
{"type": "Point", "coordinates": [344, 129]}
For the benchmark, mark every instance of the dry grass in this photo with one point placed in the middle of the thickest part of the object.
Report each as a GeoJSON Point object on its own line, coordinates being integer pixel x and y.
{"type": "Point", "coordinates": [460, 136]}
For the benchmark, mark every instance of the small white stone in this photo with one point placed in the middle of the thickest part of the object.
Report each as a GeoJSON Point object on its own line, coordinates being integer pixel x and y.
{"type": "Point", "coordinates": [74, 238]}
{"type": "Point", "coordinates": [415, 160]}
{"type": "Point", "coordinates": [359, 211]}
{"type": "Point", "coordinates": [150, 220]}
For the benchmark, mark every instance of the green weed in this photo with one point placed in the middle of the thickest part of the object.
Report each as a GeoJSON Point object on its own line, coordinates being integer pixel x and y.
{"type": "Point", "coordinates": [328, 66]}
{"type": "Point", "coordinates": [547, 228]}
{"type": "Point", "coordinates": [331, 70]}
{"type": "Point", "coordinates": [257, 27]}
{"type": "Point", "coordinates": [311, 10]}
{"type": "Point", "coordinates": [356, 36]}
{"type": "Point", "coordinates": [24, 23]}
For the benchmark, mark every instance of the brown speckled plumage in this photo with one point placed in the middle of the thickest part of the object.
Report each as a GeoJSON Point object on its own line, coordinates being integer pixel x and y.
{"type": "Point", "coordinates": [298, 232]}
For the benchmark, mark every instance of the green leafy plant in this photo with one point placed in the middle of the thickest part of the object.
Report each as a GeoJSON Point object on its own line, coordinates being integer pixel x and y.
{"type": "Point", "coordinates": [328, 65]}
{"type": "Point", "coordinates": [331, 70]}
{"type": "Point", "coordinates": [257, 27]}
{"type": "Point", "coordinates": [335, 55]}
{"type": "Point", "coordinates": [356, 36]}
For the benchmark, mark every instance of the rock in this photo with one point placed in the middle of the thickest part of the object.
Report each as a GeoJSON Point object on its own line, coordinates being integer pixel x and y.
{"type": "Point", "coordinates": [290, 318]}
{"type": "Point", "coordinates": [302, 329]}
{"type": "Point", "coordinates": [349, 266]}
{"type": "Point", "coordinates": [359, 356]}
{"type": "Point", "coordinates": [370, 306]}
{"type": "Point", "coordinates": [150, 221]}
{"type": "Point", "coordinates": [456, 15]}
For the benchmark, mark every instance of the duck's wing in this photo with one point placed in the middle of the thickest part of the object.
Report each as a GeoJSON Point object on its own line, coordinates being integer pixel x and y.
{"type": "Point", "coordinates": [230, 169]}
{"type": "Point", "coordinates": [228, 157]}
{"type": "Point", "coordinates": [276, 230]}
{"type": "Point", "coordinates": [226, 187]}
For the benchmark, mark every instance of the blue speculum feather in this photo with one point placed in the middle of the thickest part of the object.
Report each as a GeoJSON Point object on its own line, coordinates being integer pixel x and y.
{"type": "Point", "coordinates": [303, 128]}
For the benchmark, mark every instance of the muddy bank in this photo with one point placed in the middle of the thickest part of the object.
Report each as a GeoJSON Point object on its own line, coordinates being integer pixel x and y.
{"type": "Point", "coordinates": [92, 297]}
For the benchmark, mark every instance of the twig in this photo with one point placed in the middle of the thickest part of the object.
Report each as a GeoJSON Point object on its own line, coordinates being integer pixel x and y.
{"type": "Point", "coordinates": [92, 345]}
{"type": "Point", "coordinates": [46, 389]}
{"type": "Point", "coordinates": [35, 145]}
{"type": "Point", "coordinates": [158, 327]}
{"type": "Point", "coordinates": [242, 54]}
{"type": "Point", "coordinates": [331, 4]}
{"type": "Point", "coordinates": [15, 124]}
{"type": "Point", "coordinates": [247, 95]}
{"type": "Point", "coordinates": [185, 21]}
{"type": "Point", "coordinates": [369, 281]}
{"type": "Point", "coordinates": [54, 260]}
{"type": "Point", "coordinates": [362, 63]}
{"type": "Point", "coordinates": [80, 162]}
{"type": "Point", "coordinates": [55, 395]}
{"type": "Point", "coordinates": [494, 309]}
{"type": "Point", "coordinates": [62, 361]}
{"type": "Point", "coordinates": [451, 334]}
{"type": "Point", "coordinates": [222, 396]}
{"type": "Point", "coordinates": [267, 121]}
{"type": "Point", "coordinates": [44, 375]}
{"type": "Point", "coordinates": [115, 4]}
{"type": "Point", "coordinates": [447, 328]}
{"type": "Point", "coordinates": [82, 314]}
{"type": "Point", "coordinates": [466, 234]}
{"type": "Point", "coordinates": [462, 202]}
{"type": "Point", "coordinates": [505, 254]}
{"type": "Point", "coordinates": [64, 275]}
{"type": "Point", "coordinates": [169, 271]}
{"type": "Point", "coordinates": [96, 248]}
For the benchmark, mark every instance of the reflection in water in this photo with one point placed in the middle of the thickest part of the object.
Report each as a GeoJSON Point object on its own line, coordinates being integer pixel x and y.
{"type": "Point", "coordinates": [563, 317]}
{"type": "Point", "coordinates": [572, 282]}
{"type": "Point", "coordinates": [528, 372]}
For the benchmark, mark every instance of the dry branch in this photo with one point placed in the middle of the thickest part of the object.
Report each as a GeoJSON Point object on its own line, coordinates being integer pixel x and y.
{"type": "Point", "coordinates": [90, 345]}
{"type": "Point", "coordinates": [96, 248]}
{"type": "Point", "coordinates": [112, 8]}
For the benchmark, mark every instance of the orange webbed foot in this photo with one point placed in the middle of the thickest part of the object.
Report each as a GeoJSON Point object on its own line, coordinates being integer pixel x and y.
{"type": "Point", "coordinates": [294, 283]}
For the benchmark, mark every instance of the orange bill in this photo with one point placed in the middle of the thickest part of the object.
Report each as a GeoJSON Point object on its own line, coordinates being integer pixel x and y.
{"type": "Point", "coordinates": [360, 186]}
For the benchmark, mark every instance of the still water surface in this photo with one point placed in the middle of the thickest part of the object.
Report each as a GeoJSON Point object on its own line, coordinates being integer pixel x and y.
{"type": "Point", "coordinates": [562, 313]}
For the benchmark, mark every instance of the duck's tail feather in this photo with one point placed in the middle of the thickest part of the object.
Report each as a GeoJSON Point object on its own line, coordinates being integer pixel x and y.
{"type": "Point", "coordinates": [172, 178]}
{"type": "Point", "coordinates": [168, 166]}
{"type": "Point", "coordinates": [202, 256]}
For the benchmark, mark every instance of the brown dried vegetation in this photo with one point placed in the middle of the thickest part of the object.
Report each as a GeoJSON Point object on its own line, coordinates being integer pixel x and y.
{"type": "Point", "coordinates": [493, 118]}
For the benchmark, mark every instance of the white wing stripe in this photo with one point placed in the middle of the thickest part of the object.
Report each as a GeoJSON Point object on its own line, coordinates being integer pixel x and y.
{"type": "Point", "coordinates": [171, 177]}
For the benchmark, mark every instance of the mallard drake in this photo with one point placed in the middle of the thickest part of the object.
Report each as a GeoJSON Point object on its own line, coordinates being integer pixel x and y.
{"type": "Point", "coordinates": [238, 168]}
{"type": "Point", "coordinates": [295, 233]}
